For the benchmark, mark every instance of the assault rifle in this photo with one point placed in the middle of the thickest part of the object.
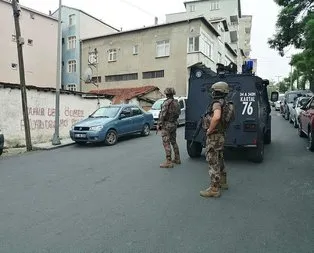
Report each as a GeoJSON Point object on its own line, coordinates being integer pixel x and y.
{"type": "Point", "coordinates": [198, 127]}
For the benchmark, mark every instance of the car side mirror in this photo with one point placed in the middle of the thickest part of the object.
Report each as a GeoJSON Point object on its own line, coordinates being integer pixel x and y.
{"type": "Point", "coordinates": [303, 107]}
{"type": "Point", "coordinates": [274, 96]}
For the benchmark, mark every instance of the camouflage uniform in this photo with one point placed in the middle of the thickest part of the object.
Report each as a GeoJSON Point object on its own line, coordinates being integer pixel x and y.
{"type": "Point", "coordinates": [168, 124]}
{"type": "Point", "coordinates": [214, 150]}
{"type": "Point", "coordinates": [214, 153]}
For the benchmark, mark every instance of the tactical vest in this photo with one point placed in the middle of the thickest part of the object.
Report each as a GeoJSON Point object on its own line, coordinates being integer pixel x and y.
{"type": "Point", "coordinates": [209, 114]}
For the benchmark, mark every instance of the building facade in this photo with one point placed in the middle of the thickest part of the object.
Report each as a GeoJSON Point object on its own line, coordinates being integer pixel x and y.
{"type": "Point", "coordinates": [39, 32]}
{"type": "Point", "coordinates": [245, 34]}
{"type": "Point", "coordinates": [230, 10]}
{"type": "Point", "coordinates": [159, 55]}
{"type": "Point", "coordinates": [77, 25]}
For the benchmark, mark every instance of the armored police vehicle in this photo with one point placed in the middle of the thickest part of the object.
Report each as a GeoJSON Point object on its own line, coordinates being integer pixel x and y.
{"type": "Point", "coordinates": [251, 128]}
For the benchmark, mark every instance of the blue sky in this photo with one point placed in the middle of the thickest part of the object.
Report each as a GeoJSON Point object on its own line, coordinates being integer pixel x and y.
{"type": "Point", "coordinates": [129, 14]}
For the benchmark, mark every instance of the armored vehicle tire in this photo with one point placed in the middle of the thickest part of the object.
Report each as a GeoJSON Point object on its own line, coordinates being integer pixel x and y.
{"type": "Point", "coordinates": [267, 137]}
{"type": "Point", "coordinates": [195, 149]}
{"type": "Point", "coordinates": [1, 151]}
{"type": "Point", "coordinates": [257, 154]}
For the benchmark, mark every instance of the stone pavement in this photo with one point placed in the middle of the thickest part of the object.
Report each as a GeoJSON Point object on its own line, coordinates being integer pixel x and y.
{"type": "Point", "coordinates": [37, 146]}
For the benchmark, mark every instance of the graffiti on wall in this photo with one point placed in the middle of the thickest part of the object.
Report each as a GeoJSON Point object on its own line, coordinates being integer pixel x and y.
{"type": "Point", "coordinates": [68, 117]}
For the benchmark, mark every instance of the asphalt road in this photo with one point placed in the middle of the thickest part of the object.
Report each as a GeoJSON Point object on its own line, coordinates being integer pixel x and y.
{"type": "Point", "coordinates": [117, 199]}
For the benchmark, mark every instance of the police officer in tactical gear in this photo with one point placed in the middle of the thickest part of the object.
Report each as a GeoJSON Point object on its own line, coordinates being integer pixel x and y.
{"type": "Point", "coordinates": [167, 123]}
{"type": "Point", "coordinates": [215, 138]}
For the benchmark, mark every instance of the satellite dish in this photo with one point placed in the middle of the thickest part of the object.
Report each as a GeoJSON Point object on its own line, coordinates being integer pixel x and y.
{"type": "Point", "coordinates": [87, 77]}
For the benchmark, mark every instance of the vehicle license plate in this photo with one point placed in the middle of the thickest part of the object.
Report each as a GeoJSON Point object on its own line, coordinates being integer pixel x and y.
{"type": "Point", "coordinates": [80, 135]}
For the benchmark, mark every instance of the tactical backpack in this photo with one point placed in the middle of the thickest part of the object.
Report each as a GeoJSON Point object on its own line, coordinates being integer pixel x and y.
{"type": "Point", "coordinates": [227, 114]}
{"type": "Point", "coordinates": [174, 110]}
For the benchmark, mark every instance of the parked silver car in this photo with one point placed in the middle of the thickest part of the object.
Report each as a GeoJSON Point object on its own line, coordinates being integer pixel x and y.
{"type": "Point", "coordinates": [156, 107]}
{"type": "Point", "coordinates": [296, 109]}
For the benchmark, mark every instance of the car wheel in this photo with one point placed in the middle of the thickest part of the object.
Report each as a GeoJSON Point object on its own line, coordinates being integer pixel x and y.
{"type": "Point", "coordinates": [300, 132]}
{"type": "Point", "coordinates": [267, 137]}
{"type": "Point", "coordinates": [311, 140]}
{"type": "Point", "coordinates": [290, 119]}
{"type": "Point", "coordinates": [295, 123]}
{"type": "Point", "coordinates": [146, 130]}
{"type": "Point", "coordinates": [286, 115]}
{"type": "Point", "coordinates": [194, 149]}
{"type": "Point", "coordinates": [257, 154]}
{"type": "Point", "coordinates": [111, 138]}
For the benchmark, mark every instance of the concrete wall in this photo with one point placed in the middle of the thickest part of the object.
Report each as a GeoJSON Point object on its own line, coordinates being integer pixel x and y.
{"type": "Point", "coordinates": [41, 114]}
{"type": "Point", "coordinates": [40, 58]}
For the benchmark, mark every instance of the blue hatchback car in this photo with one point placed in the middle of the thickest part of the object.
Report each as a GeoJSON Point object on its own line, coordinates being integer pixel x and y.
{"type": "Point", "coordinates": [108, 123]}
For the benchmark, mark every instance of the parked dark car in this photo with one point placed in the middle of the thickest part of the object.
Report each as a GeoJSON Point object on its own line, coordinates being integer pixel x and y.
{"type": "Point", "coordinates": [306, 123]}
{"type": "Point", "coordinates": [1, 142]}
{"type": "Point", "coordinates": [108, 123]}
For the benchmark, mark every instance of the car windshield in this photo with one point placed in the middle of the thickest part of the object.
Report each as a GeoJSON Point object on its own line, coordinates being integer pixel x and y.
{"type": "Point", "coordinates": [157, 104]}
{"type": "Point", "coordinates": [303, 101]}
{"type": "Point", "coordinates": [105, 112]}
{"type": "Point", "coordinates": [292, 97]}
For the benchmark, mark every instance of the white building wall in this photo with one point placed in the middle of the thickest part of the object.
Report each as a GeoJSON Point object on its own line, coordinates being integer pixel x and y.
{"type": "Point", "coordinates": [41, 114]}
{"type": "Point", "coordinates": [40, 57]}
{"type": "Point", "coordinates": [90, 27]}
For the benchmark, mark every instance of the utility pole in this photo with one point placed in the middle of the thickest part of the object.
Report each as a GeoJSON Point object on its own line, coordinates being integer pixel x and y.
{"type": "Point", "coordinates": [278, 78]}
{"type": "Point", "coordinates": [19, 43]}
{"type": "Point", "coordinates": [55, 138]}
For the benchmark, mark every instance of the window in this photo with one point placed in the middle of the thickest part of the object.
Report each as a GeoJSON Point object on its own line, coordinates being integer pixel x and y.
{"type": "Point", "coordinates": [71, 87]}
{"type": "Point", "coordinates": [13, 37]}
{"type": "Point", "coordinates": [206, 46]}
{"type": "Point", "coordinates": [30, 42]}
{"type": "Point", "coordinates": [135, 50]}
{"type": "Point", "coordinates": [122, 77]}
{"type": "Point", "coordinates": [112, 56]}
{"type": "Point", "coordinates": [194, 44]}
{"type": "Point", "coordinates": [214, 5]}
{"type": "Point", "coordinates": [153, 74]}
{"type": "Point", "coordinates": [13, 65]}
{"type": "Point", "coordinates": [192, 8]}
{"type": "Point", "coordinates": [96, 79]}
{"type": "Point", "coordinates": [162, 48]}
{"type": "Point", "coordinates": [136, 111]}
{"type": "Point", "coordinates": [71, 42]}
{"type": "Point", "coordinates": [181, 104]}
{"type": "Point", "coordinates": [72, 19]}
{"type": "Point", "coordinates": [72, 66]}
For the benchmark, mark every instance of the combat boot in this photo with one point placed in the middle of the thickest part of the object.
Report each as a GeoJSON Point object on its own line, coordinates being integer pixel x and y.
{"type": "Point", "coordinates": [176, 159]}
{"type": "Point", "coordinates": [223, 181]}
{"type": "Point", "coordinates": [167, 164]}
{"type": "Point", "coordinates": [211, 192]}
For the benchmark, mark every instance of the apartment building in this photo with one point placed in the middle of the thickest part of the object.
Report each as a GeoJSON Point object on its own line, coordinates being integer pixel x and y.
{"type": "Point", "coordinates": [230, 10]}
{"type": "Point", "coordinates": [245, 29]}
{"type": "Point", "coordinates": [77, 25]}
{"type": "Point", "coordinates": [39, 32]}
{"type": "Point", "coordinates": [158, 55]}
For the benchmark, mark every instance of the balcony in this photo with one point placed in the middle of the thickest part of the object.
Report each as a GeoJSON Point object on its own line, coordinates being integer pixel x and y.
{"type": "Point", "coordinates": [198, 57]}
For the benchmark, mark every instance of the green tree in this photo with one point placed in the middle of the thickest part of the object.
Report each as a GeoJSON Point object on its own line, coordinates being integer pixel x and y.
{"type": "Point", "coordinates": [291, 23]}
{"type": "Point", "coordinates": [295, 27]}
{"type": "Point", "coordinates": [284, 85]}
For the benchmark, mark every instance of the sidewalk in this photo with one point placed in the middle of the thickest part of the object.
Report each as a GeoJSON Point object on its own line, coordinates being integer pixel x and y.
{"type": "Point", "coordinates": [38, 146]}
{"type": "Point", "coordinates": [49, 146]}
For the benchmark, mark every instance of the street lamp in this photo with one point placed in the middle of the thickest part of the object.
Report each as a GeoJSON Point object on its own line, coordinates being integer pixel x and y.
{"type": "Point", "coordinates": [55, 138]}
{"type": "Point", "coordinates": [291, 82]}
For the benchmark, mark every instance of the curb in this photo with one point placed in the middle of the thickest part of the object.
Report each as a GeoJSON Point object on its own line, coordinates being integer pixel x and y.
{"type": "Point", "coordinates": [53, 147]}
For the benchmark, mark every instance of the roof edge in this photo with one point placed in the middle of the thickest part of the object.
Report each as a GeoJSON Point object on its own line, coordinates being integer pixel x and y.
{"type": "Point", "coordinates": [204, 20]}
{"type": "Point", "coordinates": [230, 49]}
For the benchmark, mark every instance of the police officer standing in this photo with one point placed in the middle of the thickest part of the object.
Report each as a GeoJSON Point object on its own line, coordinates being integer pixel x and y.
{"type": "Point", "coordinates": [215, 139]}
{"type": "Point", "coordinates": [167, 123]}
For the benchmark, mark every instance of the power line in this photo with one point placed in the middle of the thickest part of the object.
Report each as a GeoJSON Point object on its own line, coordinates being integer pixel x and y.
{"type": "Point", "coordinates": [138, 8]}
